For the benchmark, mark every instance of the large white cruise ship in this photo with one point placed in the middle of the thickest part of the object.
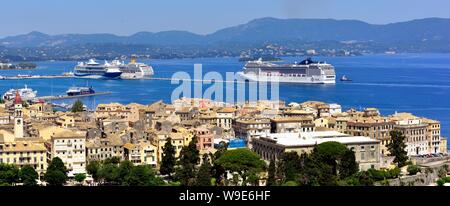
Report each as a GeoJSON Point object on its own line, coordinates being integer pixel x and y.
{"type": "Point", "coordinates": [92, 69]}
{"type": "Point", "coordinates": [305, 72]}
{"type": "Point", "coordinates": [133, 70]}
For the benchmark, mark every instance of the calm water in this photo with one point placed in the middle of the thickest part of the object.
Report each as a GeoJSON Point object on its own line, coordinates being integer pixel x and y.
{"type": "Point", "coordinates": [417, 83]}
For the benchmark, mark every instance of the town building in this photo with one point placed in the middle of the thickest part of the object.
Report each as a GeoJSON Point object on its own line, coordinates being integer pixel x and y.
{"type": "Point", "coordinates": [375, 127]}
{"type": "Point", "coordinates": [272, 146]}
{"type": "Point", "coordinates": [251, 126]}
{"type": "Point", "coordinates": [70, 147]}
{"type": "Point", "coordinates": [24, 152]}
{"type": "Point", "coordinates": [205, 139]}
{"type": "Point", "coordinates": [433, 135]}
{"type": "Point", "coordinates": [99, 149]}
{"type": "Point", "coordinates": [141, 153]}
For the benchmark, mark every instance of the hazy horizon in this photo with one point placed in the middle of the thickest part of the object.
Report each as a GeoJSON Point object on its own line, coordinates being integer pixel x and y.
{"type": "Point", "coordinates": [197, 16]}
{"type": "Point", "coordinates": [212, 31]}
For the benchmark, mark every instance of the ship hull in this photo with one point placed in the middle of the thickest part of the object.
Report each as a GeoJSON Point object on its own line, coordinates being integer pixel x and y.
{"type": "Point", "coordinates": [108, 75]}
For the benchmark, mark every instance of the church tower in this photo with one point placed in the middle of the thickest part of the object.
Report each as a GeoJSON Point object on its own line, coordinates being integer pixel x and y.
{"type": "Point", "coordinates": [18, 116]}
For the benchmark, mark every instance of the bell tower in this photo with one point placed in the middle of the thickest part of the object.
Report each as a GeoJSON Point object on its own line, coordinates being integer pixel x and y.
{"type": "Point", "coordinates": [18, 116]}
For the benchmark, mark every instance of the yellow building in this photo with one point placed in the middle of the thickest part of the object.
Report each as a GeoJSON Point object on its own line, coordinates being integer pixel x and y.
{"type": "Point", "coordinates": [142, 153]}
{"type": "Point", "coordinates": [112, 110]}
{"type": "Point", "coordinates": [66, 121]}
{"type": "Point", "coordinates": [433, 135]}
{"type": "Point", "coordinates": [159, 138]}
{"type": "Point", "coordinates": [23, 153]}
{"type": "Point", "coordinates": [103, 148]}
{"type": "Point", "coordinates": [374, 127]}
{"type": "Point", "coordinates": [47, 131]}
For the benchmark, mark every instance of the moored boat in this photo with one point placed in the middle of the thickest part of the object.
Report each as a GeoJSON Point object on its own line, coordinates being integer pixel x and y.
{"type": "Point", "coordinates": [75, 91]}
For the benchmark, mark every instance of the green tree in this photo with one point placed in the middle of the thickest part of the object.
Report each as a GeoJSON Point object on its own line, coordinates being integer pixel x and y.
{"type": "Point", "coordinates": [189, 158]}
{"type": "Point", "coordinates": [92, 168]}
{"type": "Point", "coordinates": [204, 173]}
{"type": "Point", "coordinates": [330, 153]}
{"type": "Point", "coordinates": [330, 163]}
{"type": "Point", "coordinates": [242, 162]}
{"type": "Point", "coordinates": [112, 160]}
{"type": "Point", "coordinates": [143, 175]}
{"type": "Point", "coordinates": [217, 170]}
{"type": "Point", "coordinates": [168, 159]}
{"type": "Point", "coordinates": [9, 174]}
{"type": "Point", "coordinates": [271, 179]}
{"type": "Point", "coordinates": [397, 147]}
{"type": "Point", "coordinates": [56, 174]}
{"type": "Point", "coordinates": [28, 175]}
{"type": "Point", "coordinates": [80, 177]}
{"type": "Point", "coordinates": [289, 166]}
{"type": "Point", "coordinates": [108, 173]}
{"type": "Point", "coordinates": [124, 171]}
{"type": "Point", "coordinates": [77, 106]}
{"type": "Point", "coordinates": [348, 165]}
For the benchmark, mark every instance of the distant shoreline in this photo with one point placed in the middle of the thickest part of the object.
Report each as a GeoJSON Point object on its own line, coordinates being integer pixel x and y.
{"type": "Point", "coordinates": [237, 57]}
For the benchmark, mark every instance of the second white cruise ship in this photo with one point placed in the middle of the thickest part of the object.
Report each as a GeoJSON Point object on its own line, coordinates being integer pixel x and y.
{"type": "Point", "coordinates": [133, 70]}
{"type": "Point", "coordinates": [305, 72]}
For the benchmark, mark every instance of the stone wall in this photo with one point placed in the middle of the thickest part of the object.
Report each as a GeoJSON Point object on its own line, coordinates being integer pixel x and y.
{"type": "Point", "coordinates": [420, 179]}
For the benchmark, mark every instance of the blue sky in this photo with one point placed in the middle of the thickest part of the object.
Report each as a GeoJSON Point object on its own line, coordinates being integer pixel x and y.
{"type": "Point", "coordinates": [198, 16]}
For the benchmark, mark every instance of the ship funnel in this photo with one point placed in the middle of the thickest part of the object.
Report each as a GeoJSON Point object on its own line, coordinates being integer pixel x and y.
{"type": "Point", "coordinates": [133, 59]}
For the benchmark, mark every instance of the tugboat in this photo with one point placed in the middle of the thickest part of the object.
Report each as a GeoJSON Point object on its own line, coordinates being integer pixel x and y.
{"type": "Point", "coordinates": [345, 79]}
{"type": "Point", "coordinates": [76, 91]}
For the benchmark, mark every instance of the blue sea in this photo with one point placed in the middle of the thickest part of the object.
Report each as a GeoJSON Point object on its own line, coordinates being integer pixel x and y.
{"type": "Point", "coordinates": [417, 83]}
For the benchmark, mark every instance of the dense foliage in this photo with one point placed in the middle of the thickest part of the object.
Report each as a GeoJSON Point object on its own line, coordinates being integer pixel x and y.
{"type": "Point", "coordinates": [56, 174]}
{"type": "Point", "coordinates": [397, 148]}
{"type": "Point", "coordinates": [243, 164]}
{"type": "Point", "coordinates": [168, 159]}
{"type": "Point", "coordinates": [189, 159]}
{"type": "Point", "coordinates": [28, 175]}
{"type": "Point", "coordinates": [77, 106]}
{"type": "Point", "coordinates": [413, 169]}
{"type": "Point", "coordinates": [111, 172]}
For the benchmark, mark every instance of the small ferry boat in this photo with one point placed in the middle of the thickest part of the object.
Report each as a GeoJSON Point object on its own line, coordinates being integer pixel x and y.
{"type": "Point", "coordinates": [345, 79]}
{"type": "Point", "coordinates": [75, 91]}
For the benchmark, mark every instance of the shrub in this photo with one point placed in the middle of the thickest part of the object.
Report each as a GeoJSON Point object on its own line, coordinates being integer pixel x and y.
{"type": "Point", "coordinates": [408, 163]}
{"type": "Point", "coordinates": [384, 183]}
{"type": "Point", "coordinates": [290, 183]}
{"type": "Point", "coordinates": [394, 173]}
{"type": "Point", "coordinates": [413, 169]}
{"type": "Point", "coordinates": [440, 182]}
{"type": "Point", "coordinates": [446, 179]}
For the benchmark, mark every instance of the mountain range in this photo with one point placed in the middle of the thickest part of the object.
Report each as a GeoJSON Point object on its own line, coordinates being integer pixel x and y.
{"type": "Point", "coordinates": [259, 31]}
